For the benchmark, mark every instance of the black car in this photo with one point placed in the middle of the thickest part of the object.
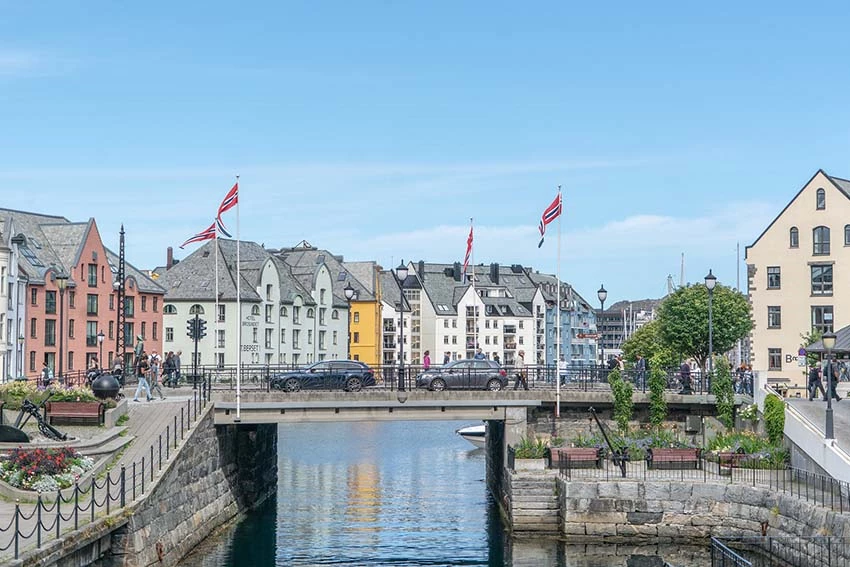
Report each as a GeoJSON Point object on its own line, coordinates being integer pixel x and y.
{"type": "Point", "coordinates": [348, 375]}
{"type": "Point", "coordinates": [464, 375]}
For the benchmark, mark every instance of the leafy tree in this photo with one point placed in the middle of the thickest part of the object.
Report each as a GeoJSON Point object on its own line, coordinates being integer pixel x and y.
{"type": "Point", "coordinates": [647, 341]}
{"type": "Point", "coordinates": [657, 403]}
{"type": "Point", "coordinates": [623, 404]}
{"type": "Point", "coordinates": [683, 319]}
{"type": "Point", "coordinates": [724, 394]}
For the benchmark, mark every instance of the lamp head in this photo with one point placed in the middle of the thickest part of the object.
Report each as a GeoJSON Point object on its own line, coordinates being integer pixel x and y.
{"type": "Point", "coordinates": [828, 341]}
{"type": "Point", "coordinates": [401, 272]}
{"type": "Point", "coordinates": [100, 337]}
{"type": "Point", "coordinates": [349, 291]}
{"type": "Point", "coordinates": [710, 281]}
{"type": "Point", "coordinates": [61, 281]}
{"type": "Point", "coordinates": [602, 294]}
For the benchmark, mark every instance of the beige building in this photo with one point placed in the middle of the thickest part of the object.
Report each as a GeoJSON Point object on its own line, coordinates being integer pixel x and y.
{"type": "Point", "coordinates": [799, 271]}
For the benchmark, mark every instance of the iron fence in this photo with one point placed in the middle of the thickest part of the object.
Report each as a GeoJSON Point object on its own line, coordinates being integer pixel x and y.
{"type": "Point", "coordinates": [768, 551]}
{"type": "Point", "coordinates": [52, 515]}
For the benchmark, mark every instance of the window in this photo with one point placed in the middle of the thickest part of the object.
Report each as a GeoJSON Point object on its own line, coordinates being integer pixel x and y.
{"type": "Point", "coordinates": [820, 240]}
{"type": "Point", "coordinates": [269, 334]}
{"type": "Point", "coordinates": [269, 313]}
{"type": "Point", "coordinates": [820, 203]}
{"type": "Point", "coordinates": [296, 337]}
{"type": "Point", "coordinates": [322, 339]}
{"type": "Point", "coordinates": [323, 311]}
{"type": "Point", "coordinates": [92, 275]}
{"type": "Point", "coordinates": [822, 318]}
{"type": "Point", "coordinates": [112, 302]}
{"type": "Point", "coordinates": [310, 336]}
{"type": "Point", "coordinates": [454, 323]}
{"type": "Point", "coordinates": [322, 296]}
{"type": "Point", "coordinates": [446, 340]}
{"type": "Point", "coordinates": [335, 337]}
{"type": "Point", "coordinates": [111, 330]}
{"type": "Point", "coordinates": [32, 360]}
{"type": "Point", "coordinates": [335, 314]}
{"type": "Point", "coordinates": [196, 310]}
{"type": "Point", "coordinates": [220, 339]}
{"type": "Point", "coordinates": [773, 277]}
{"type": "Point", "coordinates": [49, 332]}
{"type": "Point", "coordinates": [91, 333]}
{"type": "Point", "coordinates": [144, 329]}
{"type": "Point", "coordinates": [169, 309]}
{"type": "Point", "coordinates": [72, 299]}
{"type": "Point", "coordinates": [774, 317]}
{"type": "Point", "coordinates": [454, 339]}
{"type": "Point", "coordinates": [794, 237]}
{"type": "Point", "coordinates": [487, 324]}
{"type": "Point", "coordinates": [310, 313]}
{"type": "Point", "coordinates": [847, 235]}
{"type": "Point", "coordinates": [774, 359]}
{"type": "Point", "coordinates": [221, 312]}
{"type": "Point", "coordinates": [129, 306]}
{"type": "Point", "coordinates": [70, 361]}
{"type": "Point", "coordinates": [445, 323]}
{"type": "Point", "coordinates": [70, 328]}
{"type": "Point", "coordinates": [822, 279]}
{"type": "Point", "coordinates": [144, 303]}
{"type": "Point", "coordinates": [356, 337]}
{"type": "Point", "coordinates": [283, 312]}
{"type": "Point", "coordinates": [169, 334]}
{"type": "Point", "coordinates": [33, 296]}
{"type": "Point", "coordinates": [356, 316]}
{"type": "Point", "coordinates": [296, 315]}
{"type": "Point", "coordinates": [128, 331]}
{"type": "Point", "coordinates": [49, 302]}
{"type": "Point", "coordinates": [255, 310]}
{"type": "Point", "coordinates": [91, 304]}
{"type": "Point", "coordinates": [155, 304]}
{"type": "Point", "coordinates": [256, 335]}
{"type": "Point", "coordinates": [268, 292]}
{"type": "Point", "coordinates": [154, 331]}
{"type": "Point", "coordinates": [283, 336]}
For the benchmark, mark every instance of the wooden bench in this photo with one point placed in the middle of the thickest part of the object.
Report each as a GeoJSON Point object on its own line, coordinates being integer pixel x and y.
{"type": "Point", "coordinates": [76, 411]}
{"type": "Point", "coordinates": [728, 461]}
{"type": "Point", "coordinates": [673, 458]}
{"type": "Point", "coordinates": [575, 457]}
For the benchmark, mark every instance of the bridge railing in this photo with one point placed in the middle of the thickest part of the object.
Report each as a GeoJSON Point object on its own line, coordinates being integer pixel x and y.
{"type": "Point", "coordinates": [540, 377]}
{"type": "Point", "coordinates": [55, 513]}
{"type": "Point", "coordinates": [766, 551]}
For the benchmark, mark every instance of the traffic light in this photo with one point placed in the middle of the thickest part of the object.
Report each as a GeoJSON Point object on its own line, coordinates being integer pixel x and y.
{"type": "Point", "coordinates": [190, 328]}
{"type": "Point", "coordinates": [202, 328]}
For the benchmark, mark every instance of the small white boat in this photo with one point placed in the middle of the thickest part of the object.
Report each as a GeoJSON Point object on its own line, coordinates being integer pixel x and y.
{"type": "Point", "coordinates": [475, 434]}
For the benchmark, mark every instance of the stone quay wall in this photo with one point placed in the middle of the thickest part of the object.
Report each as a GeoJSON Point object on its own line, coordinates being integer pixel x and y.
{"type": "Point", "coordinates": [218, 474]}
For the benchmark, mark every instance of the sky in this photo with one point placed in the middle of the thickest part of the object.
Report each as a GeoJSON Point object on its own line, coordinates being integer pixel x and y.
{"type": "Point", "coordinates": [377, 130]}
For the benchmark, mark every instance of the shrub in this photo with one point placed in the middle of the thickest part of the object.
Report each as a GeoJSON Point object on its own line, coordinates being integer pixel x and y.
{"type": "Point", "coordinates": [530, 449]}
{"type": "Point", "coordinates": [623, 404]}
{"type": "Point", "coordinates": [724, 394]}
{"type": "Point", "coordinates": [657, 403]}
{"type": "Point", "coordinates": [43, 469]}
{"type": "Point", "coordinates": [774, 419]}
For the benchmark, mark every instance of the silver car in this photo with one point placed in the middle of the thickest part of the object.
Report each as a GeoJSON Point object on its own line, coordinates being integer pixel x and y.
{"type": "Point", "coordinates": [464, 375]}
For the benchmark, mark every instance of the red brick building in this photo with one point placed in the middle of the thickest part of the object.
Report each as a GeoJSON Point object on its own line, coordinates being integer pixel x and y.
{"type": "Point", "coordinates": [73, 319]}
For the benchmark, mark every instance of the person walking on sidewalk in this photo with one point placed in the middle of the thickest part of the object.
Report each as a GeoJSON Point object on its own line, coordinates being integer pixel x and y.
{"type": "Point", "coordinates": [519, 369]}
{"type": "Point", "coordinates": [815, 383]}
{"type": "Point", "coordinates": [141, 373]}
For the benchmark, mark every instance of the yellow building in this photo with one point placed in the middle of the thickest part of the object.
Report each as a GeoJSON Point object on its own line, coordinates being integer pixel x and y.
{"type": "Point", "coordinates": [365, 312]}
{"type": "Point", "coordinates": [796, 270]}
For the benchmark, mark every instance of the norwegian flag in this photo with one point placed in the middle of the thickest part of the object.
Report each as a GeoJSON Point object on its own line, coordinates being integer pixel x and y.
{"type": "Point", "coordinates": [207, 234]}
{"type": "Point", "coordinates": [221, 228]}
{"type": "Point", "coordinates": [552, 212]}
{"type": "Point", "coordinates": [468, 251]}
{"type": "Point", "coordinates": [230, 200]}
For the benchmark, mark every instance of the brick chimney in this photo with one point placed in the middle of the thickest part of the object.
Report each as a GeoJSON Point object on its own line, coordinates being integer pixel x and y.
{"type": "Point", "coordinates": [169, 259]}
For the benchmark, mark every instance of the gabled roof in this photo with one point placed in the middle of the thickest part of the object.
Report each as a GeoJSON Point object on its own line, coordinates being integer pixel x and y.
{"type": "Point", "coordinates": [843, 185]}
{"type": "Point", "coordinates": [194, 277]}
{"type": "Point", "coordinates": [305, 260]}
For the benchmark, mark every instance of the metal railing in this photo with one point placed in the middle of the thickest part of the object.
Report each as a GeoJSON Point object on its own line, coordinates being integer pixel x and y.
{"type": "Point", "coordinates": [767, 551]}
{"type": "Point", "coordinates": [52, 515]}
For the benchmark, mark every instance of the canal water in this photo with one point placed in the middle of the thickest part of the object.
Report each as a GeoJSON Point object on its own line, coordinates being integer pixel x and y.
{"type": "Point", "coordinates": [404, 494]}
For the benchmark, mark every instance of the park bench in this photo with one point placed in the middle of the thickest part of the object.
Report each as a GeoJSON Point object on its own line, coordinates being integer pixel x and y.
{"type": "Point", "coordinates": [673, 458]}
{"type": "Point", "coordinates": [728, 461]}
{"type": "Point", "coordinates": [76, 411]}
{"type": "Point", "coordinates": [575, 457]}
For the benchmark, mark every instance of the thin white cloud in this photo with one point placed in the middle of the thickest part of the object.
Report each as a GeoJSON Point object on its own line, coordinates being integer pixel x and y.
{"type": "Point", "coordinates": [16, 62]}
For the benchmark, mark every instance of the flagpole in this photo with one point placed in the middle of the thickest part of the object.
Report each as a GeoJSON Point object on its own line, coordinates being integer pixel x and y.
{"type": "Point", "coordinates": [474, 296]}
{"type": "Point", "coordinates": [238, 319]}
{"type": "Point", "coordinates": [215, 340]}
{"type": "Point", "coordinates": [558, 318]}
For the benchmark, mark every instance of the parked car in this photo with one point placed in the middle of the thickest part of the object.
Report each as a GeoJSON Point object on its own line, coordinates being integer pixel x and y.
{"type": "Point", "coordinates": [464, 375]}
{"type": "Point", "coordinates": [348, 375]}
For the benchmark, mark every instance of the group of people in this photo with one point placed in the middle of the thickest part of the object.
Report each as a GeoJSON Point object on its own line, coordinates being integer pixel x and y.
{"type": "Point", "coordinates": [149, 368]}
{"type": "Point", "coordinates": [816, 375]}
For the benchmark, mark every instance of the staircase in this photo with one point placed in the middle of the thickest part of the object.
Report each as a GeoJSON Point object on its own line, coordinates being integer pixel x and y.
{"type": "Point", "coordinates": [534, 507]}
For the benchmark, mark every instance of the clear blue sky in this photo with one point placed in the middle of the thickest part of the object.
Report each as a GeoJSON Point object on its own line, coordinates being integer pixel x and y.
{"type": "Point", "coordinates": [377, 129]}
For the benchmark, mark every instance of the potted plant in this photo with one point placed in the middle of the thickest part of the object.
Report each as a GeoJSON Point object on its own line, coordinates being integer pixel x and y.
{"type": "Point", "coordinates": [530, 454]}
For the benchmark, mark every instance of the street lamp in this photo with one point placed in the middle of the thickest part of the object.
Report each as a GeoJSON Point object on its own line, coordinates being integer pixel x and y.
{"type": "Point", "coordinates": [829, 344]}
{"type": "Point", "coordinates": [61, 283]}
{"type": "Point", "coordinates": [349, 295]}
{"type": "Point", "coordinates": [100, 337]}
{"type": "Point", "coordinates": [710, 282]}
{"type": "Point", "coordinates": [602, 294]}
{"type": "Point", "coordinates": [400, 276]}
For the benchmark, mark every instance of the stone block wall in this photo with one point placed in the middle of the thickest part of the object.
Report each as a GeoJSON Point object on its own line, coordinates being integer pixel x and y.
{"type": "Point", "coordinates": [218, 474]}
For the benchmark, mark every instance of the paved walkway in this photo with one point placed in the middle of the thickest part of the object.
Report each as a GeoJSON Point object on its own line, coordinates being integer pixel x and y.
{"type": "Point", "coordinates": [148, 425]}
{"type": "Point", "coordinates": [816, 413]}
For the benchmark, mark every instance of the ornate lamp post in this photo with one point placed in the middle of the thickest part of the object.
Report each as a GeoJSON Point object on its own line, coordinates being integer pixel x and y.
{"type": "Point", "coordinates": [710, 282]}
{"type": "Point", "coordinates": [349, 295]}
{"type": "Point", "coordinates": [61, 283]}
{"type": "Point", "coordinates": [100, 337]}
{"type": "Point", "coordinates": [400, 276]}
{"type": "Point", "coordinates": [829, 344]}
{"type": "Point", "coordinates": [602, 294]}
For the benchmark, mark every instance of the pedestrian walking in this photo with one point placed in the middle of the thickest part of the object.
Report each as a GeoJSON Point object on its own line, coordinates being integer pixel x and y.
{"type": "Point", "coordinates": [685, 378]}
{"type": "Point", "coordinates": [177, 368]}
{"type": "Point", "coordinates": [496, 358]}
{"type": "Point", "coordinates": [640, 371]}
{"type": "Point", "coordinates": [520, 371]}
{"type": "Point", "coordinates": [563, 376]}
{"type": "Point", "coordinates": [142, 368]}
{"type": "Point", "coordinates": [479, 354]}
{"type": "Point", "coordinates": [168, 369]}
{"type": "Point", "coordinates": [815, 383]}
{"type": "Point", "coordinates": [447, 358]}
{"type": "Point", "coordinates": [832, 384]}
{"type": "Point", "coordinates": [426, 360]}
{"type": "Point", "coordinates": [46, 375]}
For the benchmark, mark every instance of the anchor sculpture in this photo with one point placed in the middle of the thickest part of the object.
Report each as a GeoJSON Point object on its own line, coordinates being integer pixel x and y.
{"type": "Point", "coordinates": [618, 456]}
{"type": "Point", "coordinates": [16, 434]}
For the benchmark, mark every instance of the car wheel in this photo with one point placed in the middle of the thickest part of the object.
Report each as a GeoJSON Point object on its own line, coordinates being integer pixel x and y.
{"type": "Point", "coordinates": [354, 384]}
{"type": "Point", "coordinates": [438, 384]}
{"type": "Point", "coordinates": [275, 385]}
{"type": "Point", "coordinates": [291, 385]}
{"type": "Point", "coordinates": [494, 385]}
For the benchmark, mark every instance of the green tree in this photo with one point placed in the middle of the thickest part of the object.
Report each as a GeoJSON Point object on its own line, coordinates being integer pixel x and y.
{"type": "Point", "coordinates": [623, 404]}
{"type": "Point", "coordinates": [724, 394]}
{"type": "Point", "coordinates": [648, 342]}
{"type": "Point", "coordinates": [657, 403]}
{"type": "Point", "coordinates": [683, 320]}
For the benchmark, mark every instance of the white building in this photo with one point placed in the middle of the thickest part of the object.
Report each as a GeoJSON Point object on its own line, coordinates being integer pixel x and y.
{"type": "Point", "coordinates": [12, 303]}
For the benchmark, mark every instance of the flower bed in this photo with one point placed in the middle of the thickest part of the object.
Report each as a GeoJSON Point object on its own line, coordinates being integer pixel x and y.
{"type": "Point", "coordinates": [43, 470]}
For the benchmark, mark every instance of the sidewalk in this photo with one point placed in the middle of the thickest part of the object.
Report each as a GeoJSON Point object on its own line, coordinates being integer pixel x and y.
{"type": "Point", "coordinates": [147, 426]}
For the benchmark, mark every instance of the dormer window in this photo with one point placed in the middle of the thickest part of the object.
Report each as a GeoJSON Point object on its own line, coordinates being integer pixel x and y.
{"type": "Point", "coordinates": [821, 199]}
{"type": "Point", "coordinates": [794, 237]}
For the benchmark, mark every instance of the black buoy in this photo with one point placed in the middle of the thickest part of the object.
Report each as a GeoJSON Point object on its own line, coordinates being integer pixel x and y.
{"type": "Point", "coordinates": [105, 386]}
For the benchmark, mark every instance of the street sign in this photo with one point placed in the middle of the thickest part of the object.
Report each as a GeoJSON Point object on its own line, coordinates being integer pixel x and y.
{"type": "Point", "coordinates": [801, 352]}
{"type": "Point", "coordinates": [587, 335]}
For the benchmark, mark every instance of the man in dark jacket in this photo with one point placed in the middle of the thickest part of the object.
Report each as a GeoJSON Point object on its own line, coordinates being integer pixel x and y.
{"type": "Point", "coordinates": [685, 378]}
{"type": "Point", "coordinates": [815, 383]}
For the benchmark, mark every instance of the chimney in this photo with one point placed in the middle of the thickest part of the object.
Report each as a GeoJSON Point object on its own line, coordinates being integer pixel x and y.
{"type": "Point", "coordinates": [457, 271]}
{"type": "Point", "coordinates": [169, 260]}
{"type": "Point", "coordinates": [421, 270]}
{"type": "Point", "coordinates": [494, 273]}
